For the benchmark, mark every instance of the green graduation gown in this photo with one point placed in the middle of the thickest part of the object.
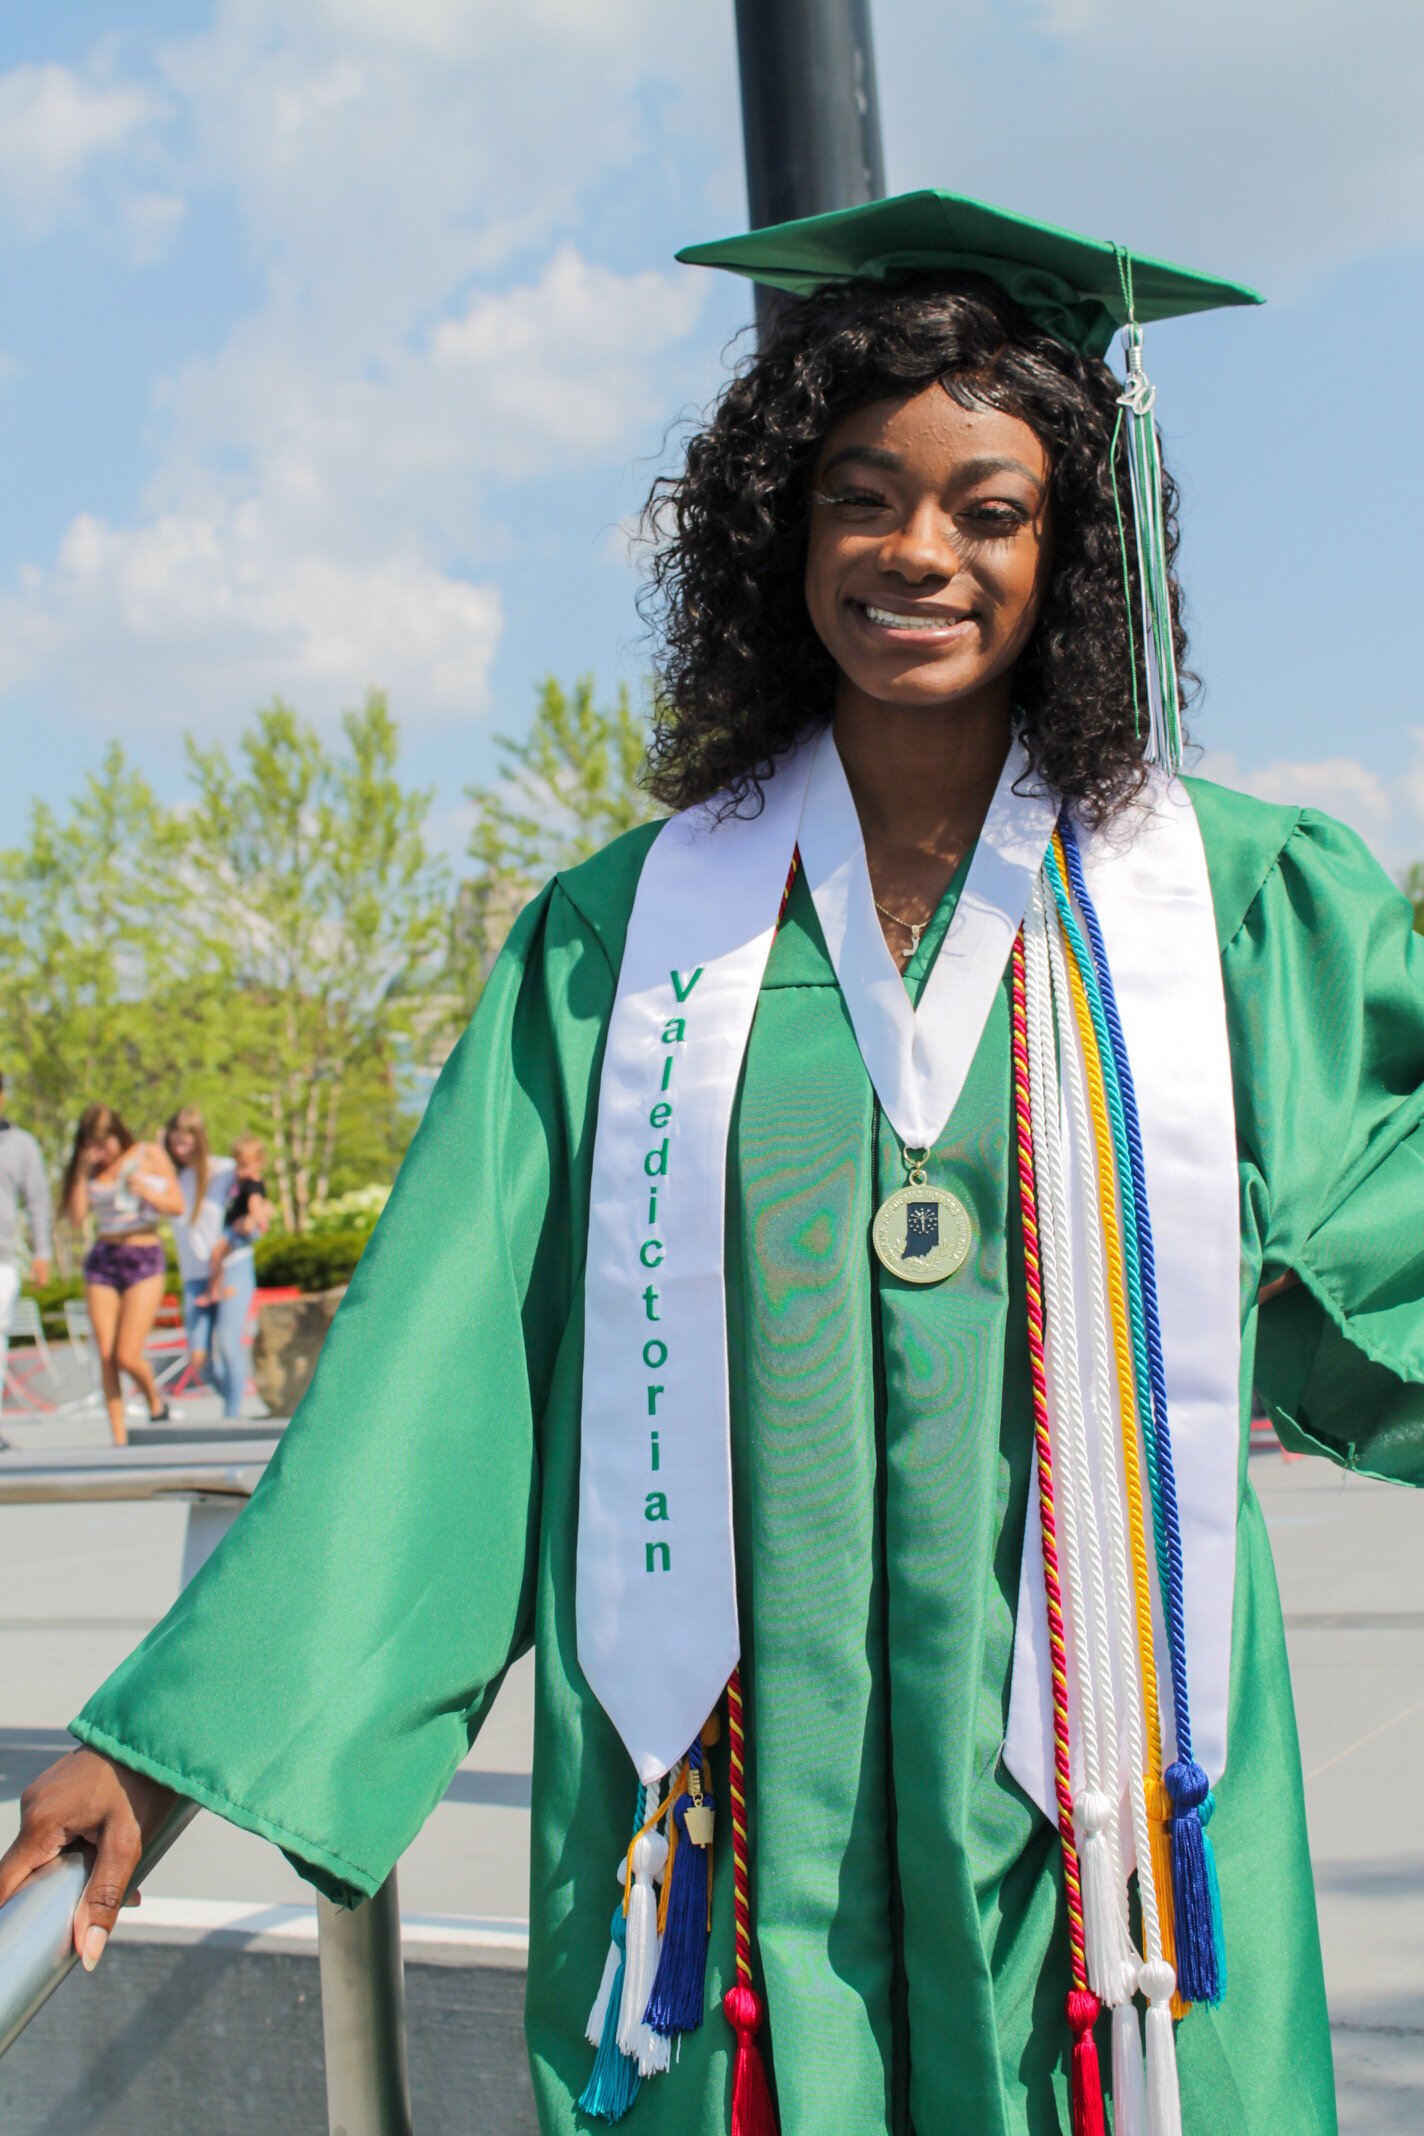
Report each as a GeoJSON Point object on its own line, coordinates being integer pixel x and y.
{"type": "Point", "coordinates": [322, 1676]}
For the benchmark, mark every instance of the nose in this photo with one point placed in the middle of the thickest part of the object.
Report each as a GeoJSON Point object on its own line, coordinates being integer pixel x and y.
{"type": "Point", "coordinates": [920, 548]}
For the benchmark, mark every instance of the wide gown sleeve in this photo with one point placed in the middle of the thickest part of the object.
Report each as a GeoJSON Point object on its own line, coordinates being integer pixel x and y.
{"type": "Point", "coordinates": [325, 1672]}
{"type": "Point", "coordinates": [1325, 990]}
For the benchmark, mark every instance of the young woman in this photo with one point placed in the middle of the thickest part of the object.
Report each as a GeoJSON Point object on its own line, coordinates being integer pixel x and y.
{"type": "Point", "coordinates": [205, 1182]}
{"type": "Point", "coordinates": [123, 1187]}
{"type": "Point", "coordinates": [829, 1269]}
{"type": "Point", "coordinates": [215, 1324]}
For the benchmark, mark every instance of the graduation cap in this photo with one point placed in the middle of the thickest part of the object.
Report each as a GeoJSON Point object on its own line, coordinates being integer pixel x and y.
{"type": "Point", "coordinates": [1082, 290]}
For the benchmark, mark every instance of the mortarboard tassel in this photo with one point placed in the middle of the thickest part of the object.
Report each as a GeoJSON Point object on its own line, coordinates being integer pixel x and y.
{"type": "Point", "coordinates": [613, 2081]}
{"type": "Point", "coordinates": [679, 1994]}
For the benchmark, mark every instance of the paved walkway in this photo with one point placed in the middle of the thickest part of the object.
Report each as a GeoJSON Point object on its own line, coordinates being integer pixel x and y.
{"type": "Point", "coordinates": [79, 1585]}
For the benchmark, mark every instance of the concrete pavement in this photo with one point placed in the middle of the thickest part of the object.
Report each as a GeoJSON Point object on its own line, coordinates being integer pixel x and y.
{"type": "Point", "coordinates": [79, 1585]}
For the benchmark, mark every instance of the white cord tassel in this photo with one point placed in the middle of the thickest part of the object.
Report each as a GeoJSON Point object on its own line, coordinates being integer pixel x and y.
{"type": "Point", "coordinates": [1164, 2106]}
{"type": "Point", "coordinates": [650, 1852]}
{"type": "Point", "coordinates": [1101, 1868]}
{"type": "Point", "coordinates": [599, 2011]}
{"type": "Point", "coordinates": [1129, 2076]}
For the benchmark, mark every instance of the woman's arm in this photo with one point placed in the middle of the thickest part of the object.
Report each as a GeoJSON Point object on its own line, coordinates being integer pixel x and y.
{"type": "Point", "coordinates": [76, 1202]}
{"type": "Point", "coordinates": [158, 1186]}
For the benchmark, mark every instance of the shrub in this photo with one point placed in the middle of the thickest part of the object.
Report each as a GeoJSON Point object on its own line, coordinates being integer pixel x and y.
{"type": "Point", "coordinates": [309, 1261]}
{"type": "Point", "coordinates": [356, 1211]}
{"type": "Point", "coordinates": [50, 1298]}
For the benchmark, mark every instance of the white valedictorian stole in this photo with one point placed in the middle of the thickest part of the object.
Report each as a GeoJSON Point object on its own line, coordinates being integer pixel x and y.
{"type": "Point", "coordinates": [656, 1606]}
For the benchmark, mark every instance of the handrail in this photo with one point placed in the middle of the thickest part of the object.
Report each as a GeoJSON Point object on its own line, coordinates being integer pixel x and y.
{"type": "Point", "coordinates": [362, 1969]}
{"type": "Point", "coordinates": [37, 1926]}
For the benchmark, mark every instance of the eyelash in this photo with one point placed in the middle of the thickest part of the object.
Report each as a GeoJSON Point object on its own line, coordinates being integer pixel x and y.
{"type": "Point", "coordinates": [1000, 521]}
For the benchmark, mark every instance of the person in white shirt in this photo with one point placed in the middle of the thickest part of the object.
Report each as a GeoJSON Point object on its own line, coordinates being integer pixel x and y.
{"type": "Point", "coordinates": [22, 1179]}
{"type": "Point", "coordinates": [205, 1182]}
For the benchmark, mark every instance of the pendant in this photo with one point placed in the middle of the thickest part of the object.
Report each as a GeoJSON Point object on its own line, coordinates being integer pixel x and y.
{"type": "Point", "coordinates": [922, 1233]}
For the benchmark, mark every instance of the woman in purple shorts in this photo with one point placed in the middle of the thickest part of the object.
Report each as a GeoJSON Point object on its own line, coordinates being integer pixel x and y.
{"type": "Point", "coordinates": [125, 1186]}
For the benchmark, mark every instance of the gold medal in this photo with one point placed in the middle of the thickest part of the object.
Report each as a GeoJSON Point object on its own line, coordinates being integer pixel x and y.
{"type": "Point", "coordinates": [921, 1233]}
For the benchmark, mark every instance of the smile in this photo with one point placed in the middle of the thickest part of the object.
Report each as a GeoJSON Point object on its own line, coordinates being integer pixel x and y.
{"type": "Point", "coordinates": [927, 625]}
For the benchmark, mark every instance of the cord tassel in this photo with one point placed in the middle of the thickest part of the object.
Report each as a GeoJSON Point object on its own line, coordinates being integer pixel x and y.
{"type": "Point", "coordinates": [613, 2081]}
{"type": "Point", "coordinates": [1164, 2106]}
{"type": "Point", "coordinates": [1083, 2008]}
{"type": "Point", "coordinates": [1128, 2074]}
{"type": "Point", "coordinates": [1218, 1926]}
{"type": "Point", "coordinates": [649, 1857]}
{"type": "Point", "coordinates": [1197, 1979]}
{"type": "Point", "coordinates": [679, 1994]}
{"type": "Point", "coordinates": [1104, 1922]}
{"type": "Point", "coordinates": [596, 2015]}
{"type": "Point", "coordinates": [752, 2111]}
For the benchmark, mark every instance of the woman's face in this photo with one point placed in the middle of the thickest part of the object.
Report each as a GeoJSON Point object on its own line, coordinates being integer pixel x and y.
{"type": "Point", "coordinates": [182, 1145]}
{"type": "Point", "coordinates": [928, 546]}
{"type": "Point", "coordinates": [102, 1152]}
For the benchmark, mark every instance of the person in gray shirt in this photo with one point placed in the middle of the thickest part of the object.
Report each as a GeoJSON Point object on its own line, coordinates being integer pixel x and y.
{"type": "Point", "coordinates": [22, 1179]}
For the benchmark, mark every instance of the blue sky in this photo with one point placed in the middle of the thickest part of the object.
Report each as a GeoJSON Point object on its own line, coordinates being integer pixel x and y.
{"type": "Point", "coordinates": [344, 337]}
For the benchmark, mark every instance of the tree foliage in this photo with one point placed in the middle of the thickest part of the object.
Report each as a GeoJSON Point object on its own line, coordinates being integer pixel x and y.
{"type": "Point", "coordinates": [326, 909]}
{"type": "Point", "coordinates": [1414, 891]}
{"type": "Point", "coordinates": [258, 951]}
{"type": "Point", "coordinates": [572, 784]}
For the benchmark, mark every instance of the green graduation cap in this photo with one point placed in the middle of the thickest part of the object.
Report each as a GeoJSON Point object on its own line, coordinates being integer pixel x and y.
{"type": "Point", "coordinates": [1073, 287]}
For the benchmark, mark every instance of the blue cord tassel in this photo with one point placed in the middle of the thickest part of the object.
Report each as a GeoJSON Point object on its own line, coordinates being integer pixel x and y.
{"type": "Point", "coordinates": [679, 1992]}
{"type": "Point", "coordinates": [1197, 1920]}
{"type": "Point", "coordinates": [613, 2081]}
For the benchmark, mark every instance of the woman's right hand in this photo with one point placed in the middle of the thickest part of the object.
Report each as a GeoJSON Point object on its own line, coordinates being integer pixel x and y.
{"type": "Point", "coordinates": [88, 1797]}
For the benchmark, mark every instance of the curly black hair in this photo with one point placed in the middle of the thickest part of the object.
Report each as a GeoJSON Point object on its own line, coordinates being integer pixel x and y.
{"type": "Point", "coordinates": [740, 669]}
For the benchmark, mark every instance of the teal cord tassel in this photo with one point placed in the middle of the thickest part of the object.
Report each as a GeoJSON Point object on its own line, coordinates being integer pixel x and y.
{"type": "Point", "coordinates": [1218, 1930]}
{"type": "Point", "coordinates": [613, 2081]}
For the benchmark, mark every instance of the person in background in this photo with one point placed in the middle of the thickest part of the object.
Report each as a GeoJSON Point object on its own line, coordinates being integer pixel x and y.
{"type": "Point", "coordinates": [228, 1312]}
{"type": "Point", "coordinates": [125, 1186]}
{"type": "Point", "coordinates": [22, 1179]}
{"type": "Point", "coordinates": [206, 1182]}
{"type": "Point", "coordinates": [245, 1218]}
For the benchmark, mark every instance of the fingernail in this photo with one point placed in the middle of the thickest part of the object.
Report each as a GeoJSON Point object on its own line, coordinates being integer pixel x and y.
{"type": "Point", "coordinates": [94, 1941]}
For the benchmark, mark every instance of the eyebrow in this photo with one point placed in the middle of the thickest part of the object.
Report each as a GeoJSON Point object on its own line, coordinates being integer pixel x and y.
{"type": "Point", "coordinates": [891, 462]}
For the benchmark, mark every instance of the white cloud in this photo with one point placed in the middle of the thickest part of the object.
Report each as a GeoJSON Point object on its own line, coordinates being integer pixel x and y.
{"type": "Point", "coordinates": [298, 529]}
{"type": "Point", "coordinates": [53, 125]}
{"type": "Point", "coordinates": [1388, 814]}
{"type": "Point", "coordinates": [1274, 140]}
{"type": "Point", "coordinates": [189, 621]}
{"type": "Point", "coordinates": [323, 511]}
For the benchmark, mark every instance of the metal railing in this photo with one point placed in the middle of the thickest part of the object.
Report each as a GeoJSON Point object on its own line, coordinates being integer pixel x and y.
{"type": "Point", "coordinates": [359, 1948]}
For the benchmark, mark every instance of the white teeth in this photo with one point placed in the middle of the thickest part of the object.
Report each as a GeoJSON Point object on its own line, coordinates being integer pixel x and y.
{"type": "Point", "coordinates": [893, 620]}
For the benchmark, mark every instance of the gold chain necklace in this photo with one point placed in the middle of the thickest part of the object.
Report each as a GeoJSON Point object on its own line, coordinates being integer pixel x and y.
{"type": "Point", "coordinates": [912, 929]}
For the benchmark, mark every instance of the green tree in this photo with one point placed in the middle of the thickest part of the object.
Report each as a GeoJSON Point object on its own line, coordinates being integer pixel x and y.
{"type": "Point", "coordinates": [1414, 891]}
{"type": "Point", "coordinates": [325, 918]}
{"type": "Point", "coordinates": [572, 784]}
{"type": "Point", "coordinates": [102, 996]}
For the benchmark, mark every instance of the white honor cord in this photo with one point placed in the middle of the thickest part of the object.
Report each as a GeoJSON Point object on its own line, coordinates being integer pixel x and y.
{"type": "Point", "coordinates": [1105, 1406]}
{"type": "Point", "coordinates": [1153, 2108]}
{"type": "Point", "coordinates": [1096, 1806]}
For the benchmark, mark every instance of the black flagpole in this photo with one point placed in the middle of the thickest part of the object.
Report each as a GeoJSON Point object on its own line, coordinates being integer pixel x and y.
{"type": "Point", "coordinates": [810, 116]}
